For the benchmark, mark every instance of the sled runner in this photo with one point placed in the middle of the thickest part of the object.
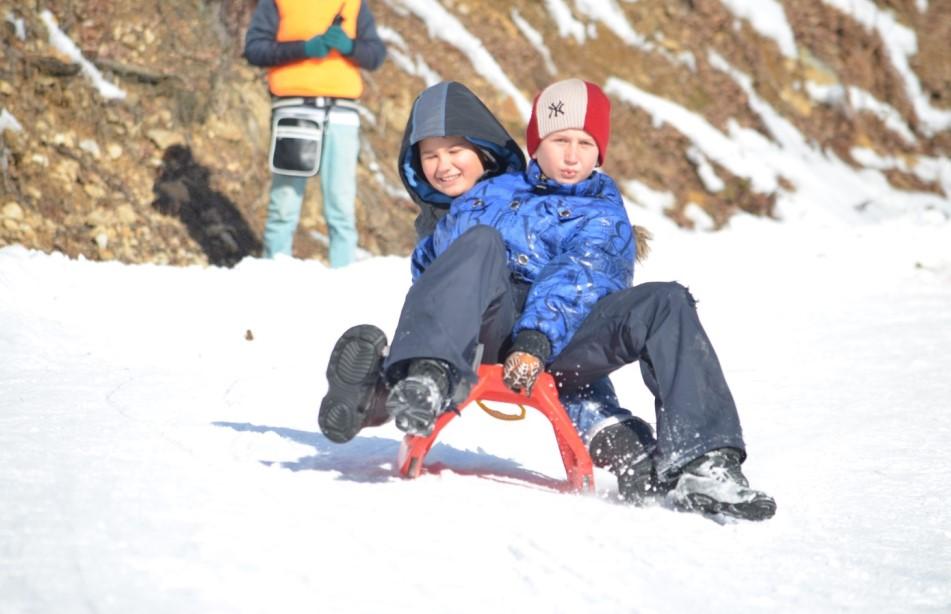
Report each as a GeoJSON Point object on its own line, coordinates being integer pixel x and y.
{"type": "Point", "coordinates": [544, 398]}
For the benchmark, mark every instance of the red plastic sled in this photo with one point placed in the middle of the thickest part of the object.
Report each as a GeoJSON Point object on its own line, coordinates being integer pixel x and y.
{"type": "Point", "coordinates": [544, 398]}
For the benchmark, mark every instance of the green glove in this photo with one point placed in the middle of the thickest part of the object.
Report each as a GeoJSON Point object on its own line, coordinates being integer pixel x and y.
{"type": "Point", "coordinates": [338, 39]}
{"type": "Point", "coordinates": [316, 47]}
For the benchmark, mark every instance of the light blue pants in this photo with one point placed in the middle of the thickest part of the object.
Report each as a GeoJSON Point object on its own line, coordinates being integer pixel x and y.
{"type": "Point", "coordinates": [338, 186]}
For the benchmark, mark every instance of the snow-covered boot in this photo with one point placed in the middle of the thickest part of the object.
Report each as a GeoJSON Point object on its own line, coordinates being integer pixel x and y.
{"type": "Point", "coordinates": [714, 484]}
{"type": "Point", "coordinates": [356, 390]}
{"type": "Point", "coordinates": [625, 449]}
{"type": "Point", "coordinates": [416, 400]}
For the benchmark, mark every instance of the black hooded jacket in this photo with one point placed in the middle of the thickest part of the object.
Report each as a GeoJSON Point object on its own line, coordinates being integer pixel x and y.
{"type": "Point", "coordinates": [451, 109]}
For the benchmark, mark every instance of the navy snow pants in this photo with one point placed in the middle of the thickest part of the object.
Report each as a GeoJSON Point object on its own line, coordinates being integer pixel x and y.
{"type": "Point", "coordinates": [467, 297]}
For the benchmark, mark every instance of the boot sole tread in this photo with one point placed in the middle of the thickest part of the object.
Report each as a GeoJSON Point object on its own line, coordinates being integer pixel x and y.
{"type": "Point", "coordinates": [759, 508]}
{"type": "Point", "coordinates": [352, 374]}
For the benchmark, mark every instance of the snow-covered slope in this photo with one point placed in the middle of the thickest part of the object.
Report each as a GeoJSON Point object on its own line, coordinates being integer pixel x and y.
{"type": "Point", "coordinates": [157, 457]}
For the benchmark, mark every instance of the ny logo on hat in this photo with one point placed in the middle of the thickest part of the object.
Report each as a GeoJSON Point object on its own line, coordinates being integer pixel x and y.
{"type": "Point", "coordinates": [571, 104]}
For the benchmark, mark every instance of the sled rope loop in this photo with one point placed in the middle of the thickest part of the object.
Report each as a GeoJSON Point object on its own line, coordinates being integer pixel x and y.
{"type": "Point", "coordinates": [500, 415]}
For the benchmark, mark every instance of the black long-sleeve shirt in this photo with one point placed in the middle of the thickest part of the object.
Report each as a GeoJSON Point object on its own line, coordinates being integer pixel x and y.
{"type": "Point", "coordinates": [262, 48]}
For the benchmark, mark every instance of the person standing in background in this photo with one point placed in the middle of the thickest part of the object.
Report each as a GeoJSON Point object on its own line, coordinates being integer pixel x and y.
{"type": "Point", "coordinates": [314, 50]}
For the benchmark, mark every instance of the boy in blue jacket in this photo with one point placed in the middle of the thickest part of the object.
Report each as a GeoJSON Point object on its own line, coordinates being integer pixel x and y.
{"type": "Point", "coordinates": [536, 267]}
{"type": "Point", "coordinates": [451, 142]}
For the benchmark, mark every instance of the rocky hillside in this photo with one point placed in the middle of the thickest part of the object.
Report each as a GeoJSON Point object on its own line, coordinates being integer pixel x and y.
{"type": "Point", "coordinates": [175, 171]}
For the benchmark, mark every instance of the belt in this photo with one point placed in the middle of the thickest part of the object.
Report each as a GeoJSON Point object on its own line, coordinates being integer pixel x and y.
{"type": "Point", "coordinates": [319, 102]}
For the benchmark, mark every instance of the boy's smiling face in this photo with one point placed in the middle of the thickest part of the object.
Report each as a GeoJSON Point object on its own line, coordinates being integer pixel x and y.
{"type": "Point", "coordinates": [450, 164]}
{"type": "Point", "coordinates": [567, 156]}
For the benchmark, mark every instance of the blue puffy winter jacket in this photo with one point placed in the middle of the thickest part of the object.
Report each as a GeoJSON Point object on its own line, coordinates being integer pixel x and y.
{"type": "Point", "coordinates": [572, 243]}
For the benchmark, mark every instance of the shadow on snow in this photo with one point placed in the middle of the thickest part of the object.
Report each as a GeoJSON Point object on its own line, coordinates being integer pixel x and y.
{"type": "Point", "coordinates": [373, 459]}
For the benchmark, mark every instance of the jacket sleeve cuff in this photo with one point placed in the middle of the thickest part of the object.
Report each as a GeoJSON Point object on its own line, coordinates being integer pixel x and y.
{"type": "Point", "coordinates": [534, 343]}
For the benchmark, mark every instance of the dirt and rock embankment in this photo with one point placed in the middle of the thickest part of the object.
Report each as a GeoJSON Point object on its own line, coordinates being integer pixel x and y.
{"type": "Point", "coordinates": [176, 171]}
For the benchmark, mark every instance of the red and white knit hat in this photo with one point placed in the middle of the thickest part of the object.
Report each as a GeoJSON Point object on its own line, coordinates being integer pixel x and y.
{"type": "Point", "coordinates": [571, 103]}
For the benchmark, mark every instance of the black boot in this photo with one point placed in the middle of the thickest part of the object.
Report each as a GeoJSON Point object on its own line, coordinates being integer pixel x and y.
{"type": "Point", "coordinates": [356, 391]}
{"type": "Point", "coordinates": [714, 484]}
{"type": "Point", "coordinates": [416, 400]}
{"type": "Point", "coordinates": [625, 449]}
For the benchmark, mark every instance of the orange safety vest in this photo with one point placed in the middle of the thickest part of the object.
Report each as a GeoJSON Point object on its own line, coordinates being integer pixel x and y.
{"type": "Point", "coordinates": [332, 75]}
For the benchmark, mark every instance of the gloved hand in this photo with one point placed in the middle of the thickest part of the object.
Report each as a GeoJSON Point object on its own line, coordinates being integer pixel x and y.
{"type": "Point", "coordinates": [316, 47]}
{"type": "Point", "coordinates": [335, 37]}
{"type": "Point", "coordinates": [520, 371]}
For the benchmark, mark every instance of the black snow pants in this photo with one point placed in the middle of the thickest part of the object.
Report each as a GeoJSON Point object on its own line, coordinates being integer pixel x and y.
{"type": "Point", "coordinates": [467, 297]}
